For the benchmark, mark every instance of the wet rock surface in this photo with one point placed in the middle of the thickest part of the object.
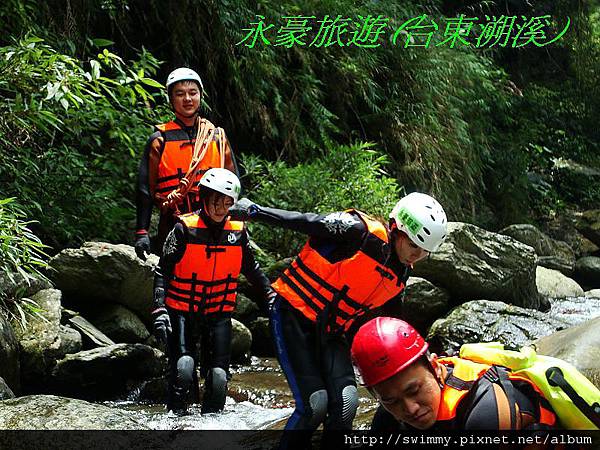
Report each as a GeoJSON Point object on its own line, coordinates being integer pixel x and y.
{"type": "Point", "coordinates": [474, 263]}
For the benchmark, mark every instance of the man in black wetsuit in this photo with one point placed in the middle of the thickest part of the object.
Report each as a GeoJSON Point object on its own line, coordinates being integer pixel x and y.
{"type": "Point", "coordinates": [167, 158]}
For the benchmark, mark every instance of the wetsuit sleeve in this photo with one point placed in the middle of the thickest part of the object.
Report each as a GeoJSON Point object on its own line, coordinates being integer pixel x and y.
{"type": "Point", "coordinates": [251, 269]}
{"type": "Point", "coordinates": [336, 226]}
{"type": "Point", "coordinates": [147, 174]}
{"type": "Point", "coordinates": [173, 251]}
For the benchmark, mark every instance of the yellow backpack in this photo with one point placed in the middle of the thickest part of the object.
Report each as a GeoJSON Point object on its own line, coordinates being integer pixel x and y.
{"type": "Point", "coordinates": [574, 399]}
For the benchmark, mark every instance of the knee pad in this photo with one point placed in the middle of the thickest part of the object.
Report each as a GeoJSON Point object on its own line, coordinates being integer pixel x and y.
{"type": "Point", "coordinates": [185, 372]}
{"type": "Point", "coordinates": [318, 405]}
{"type": "Point", "coordinates": [216, 390]}
{"type": "Point", "coordinates": [349, 405]}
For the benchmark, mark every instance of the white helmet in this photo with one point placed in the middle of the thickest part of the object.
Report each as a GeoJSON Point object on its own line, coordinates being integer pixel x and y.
{"type": "Point", "coordinates": [223, 181]}
{"type": "Point", "coordinates": [183, 74]}
{"type": "Point", "coordinates": [422, 218]}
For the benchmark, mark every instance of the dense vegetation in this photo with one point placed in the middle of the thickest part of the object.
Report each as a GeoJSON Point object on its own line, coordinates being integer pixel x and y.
{"type": "Point", "coordinates": [480, 129]}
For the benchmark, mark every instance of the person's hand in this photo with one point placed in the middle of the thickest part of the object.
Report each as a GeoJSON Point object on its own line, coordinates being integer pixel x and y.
{"type": "Point", "coordinates": [162, 324]}
{"type": "Point", "coordinates": [269, 301]}
{"type": "Point", "coordinates": [243, 209]}
{"type": "Point", "coordinates": [142, 244]}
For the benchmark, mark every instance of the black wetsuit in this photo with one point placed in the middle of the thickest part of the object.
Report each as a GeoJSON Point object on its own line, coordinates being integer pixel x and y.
{"type": "Point", "coordinates": [317, 364]}
{"type": "Point", "coordinates": [213, 331]}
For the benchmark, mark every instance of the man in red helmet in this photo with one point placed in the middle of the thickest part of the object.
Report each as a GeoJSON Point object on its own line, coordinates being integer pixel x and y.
{"type": "Point", "coordinates": [418, 390]}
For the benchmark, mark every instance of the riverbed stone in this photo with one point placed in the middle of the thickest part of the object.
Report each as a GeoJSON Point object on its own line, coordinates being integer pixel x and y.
{"type": "Point", "coordinates": [588, 224]}
{"type": "Point", "coordinates": [551, 253]}
{"type": "Point", "coordinates": [474, 263]}
{"type": "Point", "coordinates": [594, 293]}
{"type": "Point", "coordinates": [17, 285]}
{"type": "Point", "coordinates": [40, 342]}
{"type": "Point", "coordinates": [578, 345]}
{"type": "Point", "coordinates": [120, 324]}
{"type": "Point", "coordinates": [109, 273]}
{"type": "Point", "coordinates": [50, 412]}
{"type": "Point", "coordinates": [5, 391]}
{"type": "Point", "coordinates": [10, 366]}
{"type": "Point", "coordinates": [422, 305]}
{"type": "Point", "coordinates": [552, 283]}
{"type": "Point", "coordinates": [241, 342]}
{"type": "Point", "coordinates": [587, 271]}
{"type": "Point", "coordinates": [106, 372]}
{"type": "Point", "coordinates": [487, 321]}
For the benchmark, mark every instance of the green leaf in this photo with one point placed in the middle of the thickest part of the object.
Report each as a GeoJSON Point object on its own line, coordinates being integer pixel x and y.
{"type": "Point", "coordinates": [99, 42]}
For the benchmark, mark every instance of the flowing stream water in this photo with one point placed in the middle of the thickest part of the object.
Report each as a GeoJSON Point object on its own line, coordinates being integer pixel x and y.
{"type": "Point", "coordinates": [259, 397]}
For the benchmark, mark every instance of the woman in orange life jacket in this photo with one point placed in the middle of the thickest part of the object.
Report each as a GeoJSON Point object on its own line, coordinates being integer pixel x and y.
{"type": "Point", "coordinates": [350, 265]}
{"type": "Point", "coordinates": [166, 159]}
{"type": "Point", "coordinates": [419, 391]}
{"type": "Point", "coordinates": [195, 289]}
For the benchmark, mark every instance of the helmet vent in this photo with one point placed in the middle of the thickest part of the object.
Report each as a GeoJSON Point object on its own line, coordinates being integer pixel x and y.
{"type": "Point", "coordinates": [427, 232]}
{"type": "Point", "coordinates": [432, 218]}
{"type": "Point", "coordinates": [420, 238]}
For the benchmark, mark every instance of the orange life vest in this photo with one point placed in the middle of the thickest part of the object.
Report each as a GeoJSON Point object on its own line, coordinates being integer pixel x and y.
{"type": "Point", "coordinates": [205, 279]}
{"type": "Point", "coordinates": [465, 374]}
{"type": "Point", "coordinates": [175, 162]}
{"type": "Point", "coordinates": [346, 289]}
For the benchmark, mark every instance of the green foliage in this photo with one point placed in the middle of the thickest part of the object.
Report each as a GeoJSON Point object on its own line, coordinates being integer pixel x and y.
{"type": "Point", "coordinates": [344, 177]}
{"type": "Point", "coordinates": [21, 252]}
{"type": "Point", "coordinates": [70, 135]}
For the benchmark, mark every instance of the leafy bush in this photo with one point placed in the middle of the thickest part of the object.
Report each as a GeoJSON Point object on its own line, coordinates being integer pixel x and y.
{"type": "Point", "coordinates": [344, 177]}
{"type": "Point", "coordinates": [70, 135]}
{"type": "Point", "coordinates": [21, 252]}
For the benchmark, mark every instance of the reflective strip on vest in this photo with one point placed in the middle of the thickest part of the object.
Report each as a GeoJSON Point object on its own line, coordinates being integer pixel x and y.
{"type": "Point", "coordinates": [205, 280]}
{"type": "Point", "coordinates": [349, 287]}
{"type": "Point", "coordinates": [177, 156]}
{"type": "Point", "coordinates": [467, 373]}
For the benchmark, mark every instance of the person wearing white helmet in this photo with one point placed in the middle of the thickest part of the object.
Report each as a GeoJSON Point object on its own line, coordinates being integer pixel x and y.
{"type": "Point", "coordinates": [172, 162]}
{"type": "Point", "coordinates": [351, 265]}
{"type": "Point", "coordinates": [195, 287]}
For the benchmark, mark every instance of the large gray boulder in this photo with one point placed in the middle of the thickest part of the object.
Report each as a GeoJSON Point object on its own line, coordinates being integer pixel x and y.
{"type": "Point", "coordinates": [106, 372]}
{"type": "Point", "coordinates": [578, 345]}
{"type": "Point", "coordinates": [9, 355]}
{"type": "Point", "coordinates": [553, 284]}
{"type": "Point", "coordinates": [120, 324]}
{"type": "Point", "coordinates": [422, 305]}
{"type": "Point", "coordinates": [70, 340]}
{"type": "Point", "coordinates": [474, 263]}
{"type": "Point", "coordinates": [589, 225]}
{"type": "Point", "coordinates": [487, 321]}
{"type": "Point", "coordinates": [241, 342]}
{"type": "Point", "coordinates": [551, 253]}
{"type": "Point", "coordinates": [49, 412]}
{"type": "Point", "coordinates": [40, 341]}
{"type": "Point", "coordinates": [245, 309]}
{"type": "Point", "coordinates": [17, 285]}
{"type": "Point", "coordinates": [587, 271]}
{"type": "Point", "coordinates": [101, 272]}
{"type": "Point", "coordinates": [5, 390]}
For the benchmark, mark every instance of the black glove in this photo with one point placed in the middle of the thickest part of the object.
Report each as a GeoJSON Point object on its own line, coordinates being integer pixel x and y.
{"type": "Point", "coordinates": [142, 244]}
{"type": "Point", "coordinates": [162, 324]}
{"type": "Point", "coordinates": [243, 209]}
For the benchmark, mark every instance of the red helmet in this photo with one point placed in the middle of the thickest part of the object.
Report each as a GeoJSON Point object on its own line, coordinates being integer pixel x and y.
{"type": "Point", "coordinates": [383, 347]}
